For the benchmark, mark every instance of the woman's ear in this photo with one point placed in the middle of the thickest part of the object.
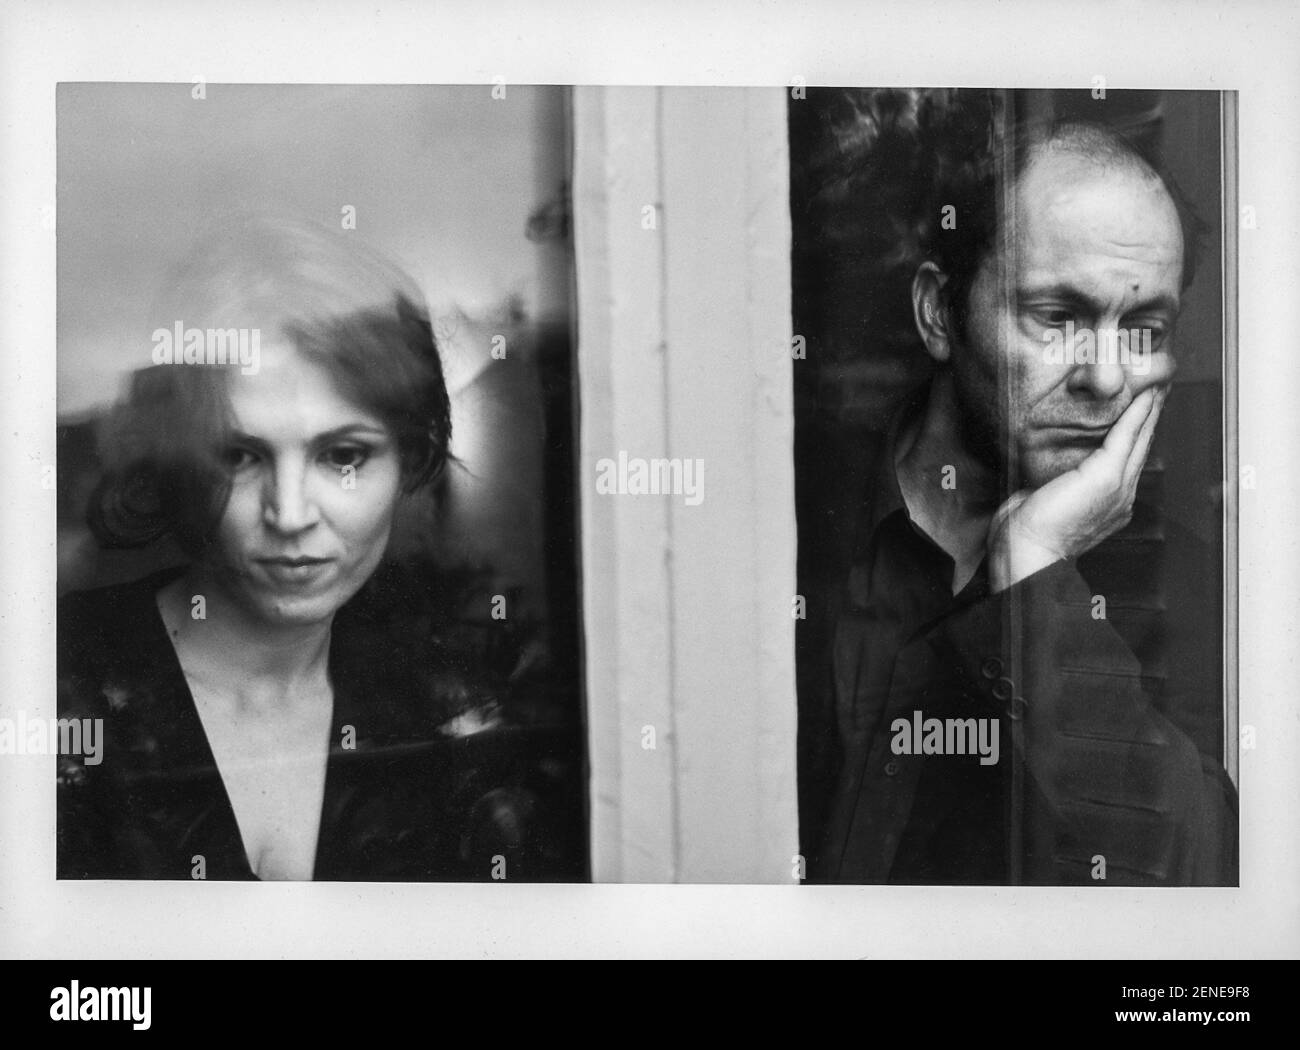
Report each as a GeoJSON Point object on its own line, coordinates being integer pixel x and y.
{"type": "Point", "coordinates": [930, 312]}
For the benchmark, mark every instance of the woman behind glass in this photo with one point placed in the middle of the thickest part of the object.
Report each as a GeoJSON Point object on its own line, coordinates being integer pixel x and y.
{"type": "Point", "coordinates": [240, 738]}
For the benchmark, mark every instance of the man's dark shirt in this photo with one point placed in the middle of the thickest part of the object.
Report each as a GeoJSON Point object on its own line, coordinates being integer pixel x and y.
{"type": "Point", "coordinates": [1108, 716]}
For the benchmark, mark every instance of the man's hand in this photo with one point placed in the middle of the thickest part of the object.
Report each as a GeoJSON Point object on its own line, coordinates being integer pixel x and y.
{"type": "Point", "coordinates": [1071, 514]}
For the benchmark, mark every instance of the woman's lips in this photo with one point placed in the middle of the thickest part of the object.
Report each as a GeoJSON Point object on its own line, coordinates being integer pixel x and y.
{"type": "Point", "coordinates": [294, 570]}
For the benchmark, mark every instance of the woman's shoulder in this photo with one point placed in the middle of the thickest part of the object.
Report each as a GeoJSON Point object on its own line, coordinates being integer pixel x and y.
{"type": "Point", "coordinates": [111, 609]}
{"type": "Point", "coordinates": [111, 632]}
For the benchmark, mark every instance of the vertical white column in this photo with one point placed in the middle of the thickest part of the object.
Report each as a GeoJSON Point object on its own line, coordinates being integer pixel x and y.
{"type": "Point", "coordinates": [625, 543]}
{"type": "Point", "coordinates": [684, 354]}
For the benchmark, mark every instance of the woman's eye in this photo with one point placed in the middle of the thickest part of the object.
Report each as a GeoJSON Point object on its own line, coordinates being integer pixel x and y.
{"type": "Point", "coordinates": [343, 456]}
{"type": "Point", "coordinates": [238, 458]}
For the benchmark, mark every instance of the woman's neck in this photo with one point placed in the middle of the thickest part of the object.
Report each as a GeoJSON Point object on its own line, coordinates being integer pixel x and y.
{"type": "Point", "coordinates": [260, 665]}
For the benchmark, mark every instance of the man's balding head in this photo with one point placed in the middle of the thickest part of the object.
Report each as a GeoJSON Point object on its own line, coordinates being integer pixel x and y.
{"type": "Point", "coordinates": [972, 188]}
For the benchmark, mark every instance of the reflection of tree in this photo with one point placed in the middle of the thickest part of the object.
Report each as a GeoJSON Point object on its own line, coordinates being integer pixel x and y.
{"type": "Point", "coordinates": [550, 221]}
{"type": "Point", "coordinates": [871, 170]}
{"type": "Point", "coordinates": [435, 629]}
{"type": "Point", "coordinates": [483, 684]}
{"type": "Point", "coordinates": [865, 167]}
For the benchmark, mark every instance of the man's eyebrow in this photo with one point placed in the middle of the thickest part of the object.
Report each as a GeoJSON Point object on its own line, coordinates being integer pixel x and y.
{"type": "Point", "coordinates": [1073, 296]}
{"type": "Point", "coordinates": [1160, 303]}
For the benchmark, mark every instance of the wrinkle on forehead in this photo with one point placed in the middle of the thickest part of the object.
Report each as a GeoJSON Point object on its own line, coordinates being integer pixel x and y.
{"type": "Point", "coordinates": [1101, 230]}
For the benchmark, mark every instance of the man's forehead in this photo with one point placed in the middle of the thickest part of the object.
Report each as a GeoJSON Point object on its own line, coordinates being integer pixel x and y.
{"type": "Point", "coordinates": [1104, 227]}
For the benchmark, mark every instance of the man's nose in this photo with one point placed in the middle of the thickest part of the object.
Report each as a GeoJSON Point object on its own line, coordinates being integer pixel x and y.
{"type": "Point", "coordinates": [1105, 377]}
{"type": "Point", "coordinates": [287, 503]}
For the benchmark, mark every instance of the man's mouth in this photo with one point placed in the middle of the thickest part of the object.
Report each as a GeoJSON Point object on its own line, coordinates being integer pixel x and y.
{"type": "Point", "coordinates": [1082, 433]}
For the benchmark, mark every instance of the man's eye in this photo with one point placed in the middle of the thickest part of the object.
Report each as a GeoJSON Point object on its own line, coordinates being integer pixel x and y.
{"type": "Point", "coordinates": [347, 456]}
{"type": "Point", "coordinates": [1055, 317]}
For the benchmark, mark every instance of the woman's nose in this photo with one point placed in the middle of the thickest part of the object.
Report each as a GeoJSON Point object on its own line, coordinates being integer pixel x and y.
{"type": "Point", "coordinates": [287, 503]}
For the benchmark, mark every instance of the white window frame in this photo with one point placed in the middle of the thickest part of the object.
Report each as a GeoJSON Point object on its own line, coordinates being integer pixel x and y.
{"type": "Point", "coordinates": [682, 246]}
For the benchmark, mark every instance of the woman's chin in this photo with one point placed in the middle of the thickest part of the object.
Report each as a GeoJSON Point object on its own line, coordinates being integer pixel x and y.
{"type": "Point", "coordinates": [296, 610]}
{"type": "Point", "coordinates": [277, 601]}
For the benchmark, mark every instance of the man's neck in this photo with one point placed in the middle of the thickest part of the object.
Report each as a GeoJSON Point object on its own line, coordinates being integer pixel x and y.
{"type": "Point", "coordinates": [950, 494]}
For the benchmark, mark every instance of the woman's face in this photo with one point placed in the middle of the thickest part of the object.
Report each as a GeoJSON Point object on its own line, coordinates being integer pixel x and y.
{"type": "Point", "coordinates": [315, 481]}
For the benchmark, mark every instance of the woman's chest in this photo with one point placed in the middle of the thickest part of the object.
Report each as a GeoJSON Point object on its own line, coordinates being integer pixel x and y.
{"type": "Point", "coordinates": [273, 772]}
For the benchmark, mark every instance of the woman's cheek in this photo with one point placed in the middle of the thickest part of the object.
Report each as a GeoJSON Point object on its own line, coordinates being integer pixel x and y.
{"type": "Point", "coordinates": [363, 510]}
{"type": "Point", "coordinates": [240, 521]}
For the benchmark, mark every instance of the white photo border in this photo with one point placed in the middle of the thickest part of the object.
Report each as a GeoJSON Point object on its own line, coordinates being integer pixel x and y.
{"type": "Point", "coordinates": [1248, 47]}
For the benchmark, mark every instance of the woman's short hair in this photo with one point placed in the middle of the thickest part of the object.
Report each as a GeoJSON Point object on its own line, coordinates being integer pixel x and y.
{"type": "Point", "coordinates": [338, 303]}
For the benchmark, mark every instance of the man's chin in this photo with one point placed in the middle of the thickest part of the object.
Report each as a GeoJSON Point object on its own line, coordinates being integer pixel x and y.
{"type": "Point", "coordinates": [1042, 465]}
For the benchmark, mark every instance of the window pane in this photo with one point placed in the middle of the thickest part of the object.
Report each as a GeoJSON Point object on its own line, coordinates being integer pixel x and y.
{"type": "Point", "coordinates": [272, 301]}
{"type": "Point", "coordinates": [1012, 669]}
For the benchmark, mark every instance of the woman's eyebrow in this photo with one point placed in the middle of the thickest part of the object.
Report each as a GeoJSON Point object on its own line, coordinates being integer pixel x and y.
{"type": "Point", "coordinates": [334, 434]}
{"type": "Point", "coordinates": [238, 437]}
{"type": "Point", "coordinates": [351, 430]}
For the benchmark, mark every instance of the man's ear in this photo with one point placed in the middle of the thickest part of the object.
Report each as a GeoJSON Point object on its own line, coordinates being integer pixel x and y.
{"type": "Point", "coordinates": [930, 312]}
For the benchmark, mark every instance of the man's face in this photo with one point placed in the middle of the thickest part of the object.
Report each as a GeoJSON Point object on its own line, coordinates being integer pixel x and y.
{"type": "Point", "coordinates": [1096, 252]}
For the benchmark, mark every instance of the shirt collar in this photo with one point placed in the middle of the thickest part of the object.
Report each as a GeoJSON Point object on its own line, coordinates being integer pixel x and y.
{"type": "Point", "coordinates": [884, 499]}
{"type": "Point", "coordinates": [884, 495]}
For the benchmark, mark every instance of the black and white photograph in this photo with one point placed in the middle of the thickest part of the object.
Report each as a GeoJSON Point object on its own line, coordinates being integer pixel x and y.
{"type": "Point", "coordinates": [761, 481]}
{"type": "Point", "coordinates": [319, 569]}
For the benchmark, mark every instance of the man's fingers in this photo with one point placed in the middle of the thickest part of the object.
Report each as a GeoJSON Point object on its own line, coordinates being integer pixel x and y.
{"type": "Point", "coordinates": [1112, 458]}
{"type": "Point", "coordinates": [1124, 434]}
{"type": "Point", "coordinates": [1138, 457]}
